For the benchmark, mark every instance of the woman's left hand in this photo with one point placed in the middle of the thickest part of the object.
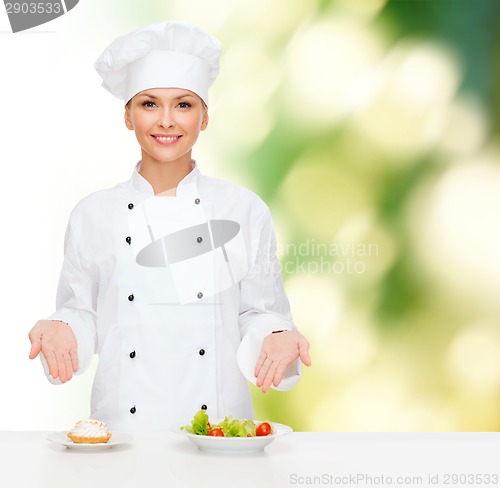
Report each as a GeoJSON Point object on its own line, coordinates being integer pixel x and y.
{"type": "Point", "coordinates": [280, 350]}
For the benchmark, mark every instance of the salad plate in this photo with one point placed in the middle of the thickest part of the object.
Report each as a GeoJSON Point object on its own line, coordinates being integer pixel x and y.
{"type": "Point", "coordinates": [62, 439]}
{"type": "Point", "coordinates": [235, 445]}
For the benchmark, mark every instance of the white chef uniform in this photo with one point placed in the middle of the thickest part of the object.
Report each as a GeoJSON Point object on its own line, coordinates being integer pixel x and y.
{"type": "Point", "coordinates": [168, 333]}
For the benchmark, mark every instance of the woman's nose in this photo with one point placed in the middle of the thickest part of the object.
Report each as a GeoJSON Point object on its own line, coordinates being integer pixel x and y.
{"type": "Point", "coordinates": [166, 119]}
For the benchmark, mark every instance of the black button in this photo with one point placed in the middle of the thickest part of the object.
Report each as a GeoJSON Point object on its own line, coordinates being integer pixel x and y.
{"type": "Point", "coordinates": [204, 407]}
{"type": "Point", "coordinates": [132, 355]}
{"type": "Point", "coordinates": [130, 206]}
{"type": "Point", "coordinates": [197, 201]}
{"type": "Point", "coordinates": [200, 295]}
{"type": "Point", "coordinates": [130, 298]}
{"type": "Point", "coordinates": [199, 239]}
{"type": "Point", "coordinates": [132, 410]}
{"type": "Point", "coordinates": [201, 352]}
{"type": "Point", "coordinates": [128, 239]}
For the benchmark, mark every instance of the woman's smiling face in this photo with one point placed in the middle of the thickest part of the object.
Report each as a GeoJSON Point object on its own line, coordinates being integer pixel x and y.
{"type": "Point", "coordinates": [166, 122]}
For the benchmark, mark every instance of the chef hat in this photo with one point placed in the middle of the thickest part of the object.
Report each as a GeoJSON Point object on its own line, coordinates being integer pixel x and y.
{"type": "Point", "coordinates": [175, 54]}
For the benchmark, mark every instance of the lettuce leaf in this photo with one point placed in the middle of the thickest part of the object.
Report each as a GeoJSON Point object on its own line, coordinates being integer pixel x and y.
{"type": "Point", "coordinates": [199, 424]}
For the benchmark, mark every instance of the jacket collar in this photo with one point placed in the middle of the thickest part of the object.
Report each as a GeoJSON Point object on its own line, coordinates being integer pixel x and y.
{"type": "Point", "coordinates": [186, 185]}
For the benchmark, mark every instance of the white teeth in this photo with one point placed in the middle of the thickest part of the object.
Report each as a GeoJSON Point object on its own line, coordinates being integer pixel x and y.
{"type": "Point", "coordinates": [167, 138]}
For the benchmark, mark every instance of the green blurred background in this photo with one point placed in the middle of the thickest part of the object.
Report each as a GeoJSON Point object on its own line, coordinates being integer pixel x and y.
{"type": "Point", "coordinates": [371, 128]}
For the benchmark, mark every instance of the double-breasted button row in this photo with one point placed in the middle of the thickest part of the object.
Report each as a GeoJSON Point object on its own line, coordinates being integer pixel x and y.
{"type": "Point", "coordinates": [128, 240]}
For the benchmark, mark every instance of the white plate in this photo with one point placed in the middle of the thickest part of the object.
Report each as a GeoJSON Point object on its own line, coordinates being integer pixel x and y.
{"type": "Point", "coordinates": [235, 445]}
{"type": "Point", "coordinates": [62, 438]}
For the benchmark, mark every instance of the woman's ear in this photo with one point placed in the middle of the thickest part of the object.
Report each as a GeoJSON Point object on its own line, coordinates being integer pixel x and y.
{"type": "Point", "coordinates": [204, 122]}
{"type": "Point", "coordinates": [128, 122]}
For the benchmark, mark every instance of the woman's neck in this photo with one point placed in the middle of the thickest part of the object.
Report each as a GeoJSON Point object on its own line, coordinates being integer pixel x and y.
{"type": "Point", "coordinates": [165, 175]}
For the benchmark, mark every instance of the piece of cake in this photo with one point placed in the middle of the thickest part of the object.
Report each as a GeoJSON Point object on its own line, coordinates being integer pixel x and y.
{"type": "Point", "coordinates": [89, 432]}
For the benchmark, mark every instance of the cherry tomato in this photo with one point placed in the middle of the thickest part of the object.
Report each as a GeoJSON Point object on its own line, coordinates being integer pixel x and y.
{"type": "Point", "coordinates": [264, 429]}
{"type": "Point", "coordinates": [216, 432]}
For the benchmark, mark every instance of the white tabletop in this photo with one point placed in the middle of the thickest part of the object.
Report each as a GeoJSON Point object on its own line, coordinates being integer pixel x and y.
{"type": "Point", "coordinates": [153, 460]}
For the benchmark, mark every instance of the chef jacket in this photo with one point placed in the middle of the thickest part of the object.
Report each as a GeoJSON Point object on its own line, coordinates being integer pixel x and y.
{"type": "Point", "coordinates": [164, 290]}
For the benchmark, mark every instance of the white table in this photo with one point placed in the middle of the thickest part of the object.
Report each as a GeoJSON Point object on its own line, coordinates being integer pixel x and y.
{"type": "Point", "coordinates": [154, 460]}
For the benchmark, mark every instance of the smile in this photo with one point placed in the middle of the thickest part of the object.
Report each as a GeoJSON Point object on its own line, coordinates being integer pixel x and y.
{"type": "Point", "coordinates": [166, 139]}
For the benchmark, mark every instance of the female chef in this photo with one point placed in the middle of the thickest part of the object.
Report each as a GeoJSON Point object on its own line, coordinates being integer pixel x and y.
{"type": "Point", "coordinates": [170, 277]}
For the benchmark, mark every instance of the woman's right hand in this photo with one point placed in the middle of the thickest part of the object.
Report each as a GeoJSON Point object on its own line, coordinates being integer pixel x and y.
{"type": "Point", "coordinates": [56, 341]}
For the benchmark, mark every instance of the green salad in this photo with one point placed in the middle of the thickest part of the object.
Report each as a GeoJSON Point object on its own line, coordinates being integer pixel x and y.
{"type": "Point", "coordinates": [229, 427]}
